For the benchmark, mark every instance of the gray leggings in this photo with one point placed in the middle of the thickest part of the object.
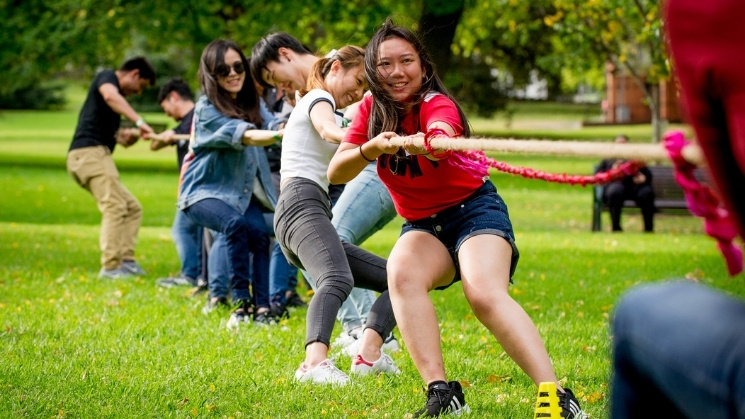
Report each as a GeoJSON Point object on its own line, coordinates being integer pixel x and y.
{"type": "Point", "coordinates": [302, 223]}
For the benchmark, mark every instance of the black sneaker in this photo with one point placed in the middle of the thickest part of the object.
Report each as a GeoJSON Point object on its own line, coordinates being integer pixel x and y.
{"type": "Point", "coordinates": [201, 287]}
{"type": "Point", "coordinates": [294, 300]}
{"type": "Point", "coordinates": [444, 399]}
{"type": "Point", "coordinates": [272, 316]}
{"type": "Point", "coordinates": [278, 311]}
{"type": "Point", "coordinates": [569, 405]}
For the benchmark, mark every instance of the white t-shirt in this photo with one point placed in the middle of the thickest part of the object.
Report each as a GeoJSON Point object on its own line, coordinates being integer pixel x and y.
{"type": "Point", "coordinates": [305, 153]}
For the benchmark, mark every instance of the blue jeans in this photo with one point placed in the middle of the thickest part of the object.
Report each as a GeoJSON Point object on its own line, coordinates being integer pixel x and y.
{"type": "Point", "coordinates": [303, 228]}
{"type": "Point", "coordinates": [281, 273]}
{"type": "Point", "coordinates": [187, 236]}
{"type": "Point", "coordinates": [678, 352]}
{"type": "Point", "coordinates": [244, 233]}
{"type": "Point", "coordinates": [217, 263]}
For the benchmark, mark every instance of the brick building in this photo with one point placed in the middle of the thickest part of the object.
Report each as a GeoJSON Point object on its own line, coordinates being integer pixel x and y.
{"type": "Point", "coordinates": [625, 102]}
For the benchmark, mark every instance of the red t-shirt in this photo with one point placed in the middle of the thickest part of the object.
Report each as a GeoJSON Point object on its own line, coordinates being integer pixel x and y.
{"type": "Point", "coordinates": [422, 187]}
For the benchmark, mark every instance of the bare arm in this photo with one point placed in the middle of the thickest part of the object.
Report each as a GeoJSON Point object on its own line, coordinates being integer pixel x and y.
{"type": "Point", "coordinates": [261, 137]}
{"type": "Point", "coordinates": [350, 159]}
{"type": "Point", "coordinates": [165, 138]}
{"type": "Point", "coordinates": [119, 104]}
{"type": "Point", "coordinates": [324, 121]}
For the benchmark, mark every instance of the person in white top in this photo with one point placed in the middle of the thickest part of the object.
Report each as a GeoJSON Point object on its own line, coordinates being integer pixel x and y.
{"type": "Point", "coordinates": [302, 220]}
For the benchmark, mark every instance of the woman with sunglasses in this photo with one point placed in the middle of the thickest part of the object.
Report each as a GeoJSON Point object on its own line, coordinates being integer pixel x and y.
{"type": "Point", "coordinates": [303, 227]}
{"type": "Point", "coordinates": [228, 182]}
{"type": "Point", "coordinates": [457, 226]}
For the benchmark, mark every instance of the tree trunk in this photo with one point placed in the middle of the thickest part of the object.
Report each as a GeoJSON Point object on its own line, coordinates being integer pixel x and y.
{"type": "Point", "coordinates": [654, 107]}
{"type": "Point", "coordinates": [652, 95]}
{"type": "Point", "coordinates": [437, 27]}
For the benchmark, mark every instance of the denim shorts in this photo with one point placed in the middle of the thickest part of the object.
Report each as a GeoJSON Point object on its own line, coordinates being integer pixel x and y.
{"type": "Point", "coordinates": [484, 212]}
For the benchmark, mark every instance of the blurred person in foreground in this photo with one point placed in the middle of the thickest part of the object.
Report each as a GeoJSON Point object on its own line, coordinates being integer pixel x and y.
{"type": "Point", "coordinates": [679, 347]}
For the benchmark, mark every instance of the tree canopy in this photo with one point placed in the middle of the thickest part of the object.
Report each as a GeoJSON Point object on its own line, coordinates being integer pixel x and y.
{"type": "Point", "coordinates": [469, 39]}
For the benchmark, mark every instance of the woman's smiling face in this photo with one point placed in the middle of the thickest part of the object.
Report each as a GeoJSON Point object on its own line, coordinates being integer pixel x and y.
{"type": "Point", "coordinates": [233, 82]}
{"type": "Point", "coordinates": [400, 70]}
{"type": "Point", "coordinates": [346, 85]}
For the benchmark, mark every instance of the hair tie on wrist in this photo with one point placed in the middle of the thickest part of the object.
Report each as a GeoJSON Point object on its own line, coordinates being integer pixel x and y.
{"type": "Point", "coordinates": [139, 122]}
{"type": "Point", "coordinates": [364, 156]}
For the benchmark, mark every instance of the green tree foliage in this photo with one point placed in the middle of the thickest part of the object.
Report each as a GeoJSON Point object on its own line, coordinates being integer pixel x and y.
{"type": "Point", "coordinates": [628, 34]}
{"type": "Point", "coordinates": [510, 35]}
{"type": "Point", "coordinates": [42, 38]}
{"type": "Point", "coordinates": [469, 39]}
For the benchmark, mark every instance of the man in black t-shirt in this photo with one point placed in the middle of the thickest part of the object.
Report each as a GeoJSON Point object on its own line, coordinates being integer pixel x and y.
{"type": "Point", "coordinates": [90, 163]}
{"type": "Point", "coordinates": [177, 101]}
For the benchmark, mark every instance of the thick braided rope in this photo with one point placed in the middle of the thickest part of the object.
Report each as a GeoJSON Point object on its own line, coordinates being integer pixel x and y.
{"type": "Point", "coordinates": [581, 148]}
{"type": "Point", "coordinates": [624, 169]}
{"type": "Point", "coordinates": [438, 139]}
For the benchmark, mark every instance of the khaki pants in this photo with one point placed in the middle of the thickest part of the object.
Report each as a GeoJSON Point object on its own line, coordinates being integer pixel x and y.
{"type": "Point", "coordinates": [121, 214]}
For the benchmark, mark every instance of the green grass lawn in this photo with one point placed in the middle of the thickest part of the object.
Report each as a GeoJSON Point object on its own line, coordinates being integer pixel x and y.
{"type": "Point", "coordinates": [75, 346]}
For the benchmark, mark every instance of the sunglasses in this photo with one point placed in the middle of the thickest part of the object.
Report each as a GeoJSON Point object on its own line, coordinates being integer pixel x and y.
{"type": "Point", "coordinates": [223, 70]}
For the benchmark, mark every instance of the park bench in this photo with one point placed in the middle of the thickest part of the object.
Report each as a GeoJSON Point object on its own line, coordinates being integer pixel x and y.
{"type": "Point", "coordinates": [668, 195]}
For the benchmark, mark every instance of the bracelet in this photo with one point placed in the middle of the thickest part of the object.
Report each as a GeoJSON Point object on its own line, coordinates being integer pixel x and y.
{"type": "Point", "coordinates": [139, 122]}
{"type": "Point", "coordinates": [364, 156]}
{"type": "Point", "coordinates": [276, 137]}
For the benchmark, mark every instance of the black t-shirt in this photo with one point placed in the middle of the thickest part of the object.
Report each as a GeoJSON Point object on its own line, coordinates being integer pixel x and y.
{"type": "Point", "coordinates": [97, 123]}
{"type": "Point", "coordinates": [182, 146]}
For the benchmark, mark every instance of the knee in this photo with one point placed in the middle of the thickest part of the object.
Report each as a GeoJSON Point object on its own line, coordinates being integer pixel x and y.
{"type": "Point", "coordinates": [403, 282]}
{"type": "Point", "coordinates": [645, 196]}
{"type": "Point", "coordinates": [135, 208]}
{"type": "Point", "coordinates": [235, 225]}
{"type": "Point", "coordinates": [614, 194]}
{"type": "Point", "coordinates": [485, 302]}
{"type": "Point", "coordinates": [336, 285]}
{"type": "Point", "coordinates": [112, 205]}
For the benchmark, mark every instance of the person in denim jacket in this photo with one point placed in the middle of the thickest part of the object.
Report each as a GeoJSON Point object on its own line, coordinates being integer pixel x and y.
{"type": "Point", "coordinates": [228, 184]}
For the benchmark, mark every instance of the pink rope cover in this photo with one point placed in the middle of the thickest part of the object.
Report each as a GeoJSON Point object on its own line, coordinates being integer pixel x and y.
{"type": "Point", "coordinates": [480, 160]}
{"type": "Point", "coordinates": [704, 203]}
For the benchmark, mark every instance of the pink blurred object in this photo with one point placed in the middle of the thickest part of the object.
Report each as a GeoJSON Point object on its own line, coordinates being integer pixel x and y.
{"type": "Point", "coordinates": [704, 203]}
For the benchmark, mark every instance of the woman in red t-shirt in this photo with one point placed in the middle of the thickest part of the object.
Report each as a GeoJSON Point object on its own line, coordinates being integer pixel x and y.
{"type": "Point", "coordinates": [457, 226]}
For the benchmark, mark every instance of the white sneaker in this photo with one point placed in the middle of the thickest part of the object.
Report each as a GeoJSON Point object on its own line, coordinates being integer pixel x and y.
{"type": "Point", "coordinates": [351, 349]}
{"type": "Point", "coordinates": [347, 338]}
{"type": "Point", "coordinates": [238, 317]}
{"type": "Point", "coordinates": [323, 373]}
{"type": "Point", "coordinates": [389, 345]}
{"type": "Point", "coordinates": [384, 364]}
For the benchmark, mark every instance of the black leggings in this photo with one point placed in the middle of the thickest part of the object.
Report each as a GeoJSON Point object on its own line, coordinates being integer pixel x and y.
{"type": "Point", "coordinates": [302, 223]}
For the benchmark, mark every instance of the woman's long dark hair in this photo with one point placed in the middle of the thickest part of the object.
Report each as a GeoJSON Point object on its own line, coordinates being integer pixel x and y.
{"type": "Point", "coordinates": [386, 113]}
{"type": "Point", "coordinates": [246, 104]}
